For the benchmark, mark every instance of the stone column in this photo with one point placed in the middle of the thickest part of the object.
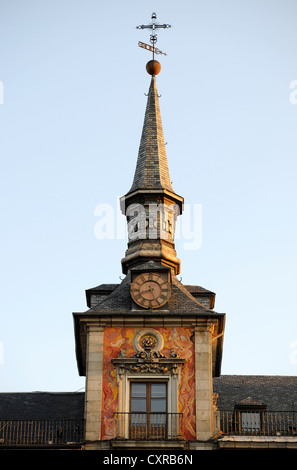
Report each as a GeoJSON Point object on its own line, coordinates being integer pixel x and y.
{"type": "Point", "coordinates": [203, 382]}
{"type": "Point", "coordinates": [93, 397]}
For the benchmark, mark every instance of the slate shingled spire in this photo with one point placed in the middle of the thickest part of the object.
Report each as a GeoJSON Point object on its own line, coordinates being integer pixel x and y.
{"type": "Point", "coordinates": [152, 167]}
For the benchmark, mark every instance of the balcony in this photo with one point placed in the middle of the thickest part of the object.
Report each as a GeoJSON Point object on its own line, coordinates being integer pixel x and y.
{"type": "Point", "coordinates": [258, 423]}
{"type": "Point", "coordinates": [138, 426]}
{"type": "Point", "coordinates": [41, 433]}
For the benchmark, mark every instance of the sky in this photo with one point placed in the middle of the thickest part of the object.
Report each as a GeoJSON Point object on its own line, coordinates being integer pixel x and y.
{"type": "Point", "coordinates": [72, 103]}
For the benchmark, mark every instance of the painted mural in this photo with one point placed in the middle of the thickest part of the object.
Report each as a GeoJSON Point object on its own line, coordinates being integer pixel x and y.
{"type": "Point", "coordinates": [116, 339]}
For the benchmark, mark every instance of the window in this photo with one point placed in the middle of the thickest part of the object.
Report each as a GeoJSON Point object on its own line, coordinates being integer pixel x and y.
{"type": "Point", "coordinates": [250, 421]}
{"type": "Point", "coordinates": [148, 410]}
{"type": "Point", "coordinates": [249, 416]}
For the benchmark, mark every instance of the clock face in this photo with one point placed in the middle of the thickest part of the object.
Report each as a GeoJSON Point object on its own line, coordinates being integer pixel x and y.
{"type": "Point", "coordinates": [150, 290]}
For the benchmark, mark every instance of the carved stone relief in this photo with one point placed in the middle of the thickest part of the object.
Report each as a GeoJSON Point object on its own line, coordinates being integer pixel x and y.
{"type": "Point", "coordinates": [148, 357]}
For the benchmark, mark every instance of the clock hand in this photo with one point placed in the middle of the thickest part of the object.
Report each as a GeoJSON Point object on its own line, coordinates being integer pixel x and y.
{"type": "Point", "coordinates": [150, 289]}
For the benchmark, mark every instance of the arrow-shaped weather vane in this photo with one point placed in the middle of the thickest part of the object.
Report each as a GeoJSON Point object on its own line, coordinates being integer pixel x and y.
{"type": "Point", "coordinates": [153, 37]}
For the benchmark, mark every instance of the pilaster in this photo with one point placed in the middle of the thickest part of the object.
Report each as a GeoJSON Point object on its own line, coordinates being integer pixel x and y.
{"type": "Point", "coordinates": [93, 399]}
{"type": "Point", "coordinates": [203, 382]}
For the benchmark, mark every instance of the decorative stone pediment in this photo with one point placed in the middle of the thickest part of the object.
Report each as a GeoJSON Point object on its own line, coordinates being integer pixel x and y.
{"type": "Point", "coordinates": [149, 364]}
{"type": "Point", "coordinates": [148, 357]}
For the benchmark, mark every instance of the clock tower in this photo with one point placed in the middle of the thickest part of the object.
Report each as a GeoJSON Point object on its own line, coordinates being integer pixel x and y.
{"type": "Point", "coordinates": [150, 346]}
{"type": "Point", "coordinates": [151, 206]}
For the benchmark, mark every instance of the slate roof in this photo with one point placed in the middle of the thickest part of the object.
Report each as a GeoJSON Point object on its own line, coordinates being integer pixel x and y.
{"type": "Point", "coordinates": [119, 300]}
{"type": "Point", "coordinates": [42, 405]}
{"type": "Point", "coordinates": [279, 393]}
{"type": "Point", "coordinates": [197, 289]}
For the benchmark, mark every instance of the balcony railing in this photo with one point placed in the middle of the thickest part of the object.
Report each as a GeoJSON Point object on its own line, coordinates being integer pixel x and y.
{"type": "Point", "coordinates": [276, 423]}
{"type": "Point", "coordinates": [143, 426]}
{"type": "Point", "coordinates": [41, 432]}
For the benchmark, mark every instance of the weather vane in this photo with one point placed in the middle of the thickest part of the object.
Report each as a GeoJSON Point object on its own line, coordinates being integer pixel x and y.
{"type": "Point", "coordinates": [153, 37]}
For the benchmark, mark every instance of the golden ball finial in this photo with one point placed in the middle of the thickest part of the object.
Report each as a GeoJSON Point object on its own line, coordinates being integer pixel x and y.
{"type": "Point", "coordinates": [153, 67]}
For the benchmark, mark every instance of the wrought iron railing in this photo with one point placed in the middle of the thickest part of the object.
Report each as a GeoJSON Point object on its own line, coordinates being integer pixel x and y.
{"type": "Point", "coordinates": [155, 426]}
{"type": "Point", "coordinates": [266, 423]}
{"type": "Point", "coordinates": [41, 432]}
{"type": "Point", "coordinates": [143, 426]}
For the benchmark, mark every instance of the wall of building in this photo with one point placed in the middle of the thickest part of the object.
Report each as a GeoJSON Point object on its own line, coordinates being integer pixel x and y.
{"type": "Point", "coordinates": [178, 339]}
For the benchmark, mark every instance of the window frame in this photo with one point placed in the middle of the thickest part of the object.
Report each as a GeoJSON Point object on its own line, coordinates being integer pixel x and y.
{"type": "Point", "coordinates": [249, 419]}
{"type": "Point", "coordinates": [148, 424]}
{"type": "Point", "coordinates": [149, 397]}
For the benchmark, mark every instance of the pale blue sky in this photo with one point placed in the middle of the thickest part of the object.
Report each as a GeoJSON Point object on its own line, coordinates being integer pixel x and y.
{"type": "Point", "coordinates": [74, 81]}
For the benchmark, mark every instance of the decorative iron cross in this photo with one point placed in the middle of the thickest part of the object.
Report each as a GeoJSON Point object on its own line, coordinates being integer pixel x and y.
{"type": "Point", "coordinates": [153, 37]}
